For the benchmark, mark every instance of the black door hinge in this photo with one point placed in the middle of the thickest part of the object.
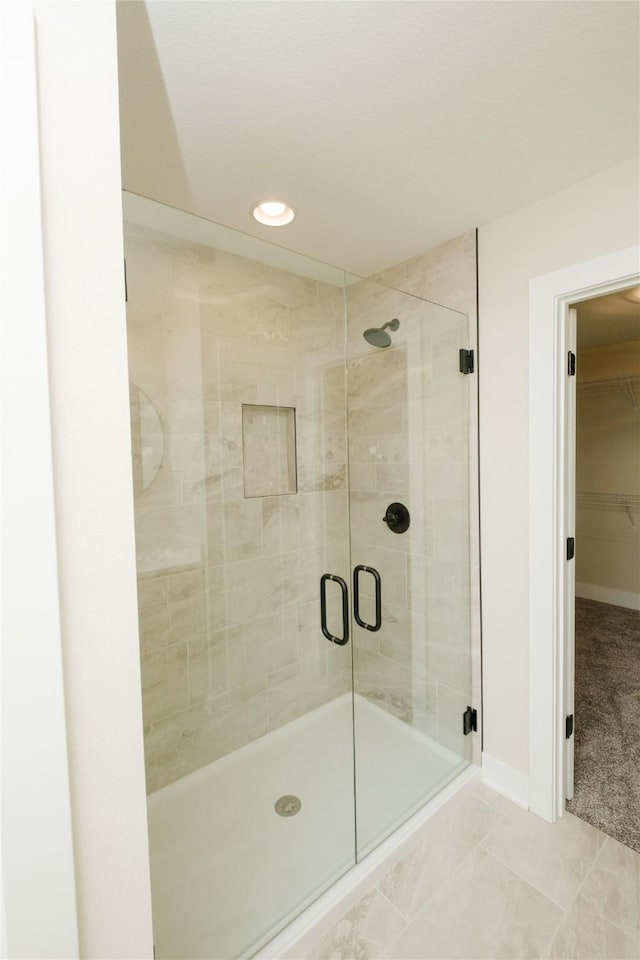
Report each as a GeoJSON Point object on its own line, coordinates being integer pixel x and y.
{"type": "Point", "coordinates": [568, 726]}
{"type": "Point", "coordinates": [126, 292]}
{"type": "Point", "coordinates": [571, 548]}
{"type": "Point", "coordinates": [572, 364]}
{"type": "Point", "coordinates": [466, 361]}
{"type": "Point", "coordinates": [469, 721]}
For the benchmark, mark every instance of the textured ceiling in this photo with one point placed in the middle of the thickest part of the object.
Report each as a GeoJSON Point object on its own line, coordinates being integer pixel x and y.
{"type": "Point", "coordinates": [388, 126]}
{"type": "Point", "coordinates": [614, 318]}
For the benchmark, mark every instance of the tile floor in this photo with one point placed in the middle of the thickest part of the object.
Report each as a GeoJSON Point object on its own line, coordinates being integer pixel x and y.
{"type": "Point", "coordinates": [488, 879]}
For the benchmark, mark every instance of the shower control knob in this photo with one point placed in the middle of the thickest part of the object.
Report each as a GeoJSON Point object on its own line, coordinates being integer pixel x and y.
{"type": "Point", "coordinates": [397, 518]}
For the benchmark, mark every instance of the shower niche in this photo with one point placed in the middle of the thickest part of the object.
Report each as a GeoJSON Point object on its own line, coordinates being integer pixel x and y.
{"type": "Point", "coordinates": [287, 433]}
{"type": "Point", "coordinates": [269, 450]}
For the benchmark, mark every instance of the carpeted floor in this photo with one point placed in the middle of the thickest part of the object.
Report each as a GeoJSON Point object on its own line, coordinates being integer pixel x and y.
{"type": "Point", "coordinates": [607, 720]}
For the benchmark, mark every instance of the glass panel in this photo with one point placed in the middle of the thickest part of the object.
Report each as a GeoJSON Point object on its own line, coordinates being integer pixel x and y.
{"type": "Point", "coordinates": [408, 421]}
{"type": "Point", "coordinates": [245, 702]}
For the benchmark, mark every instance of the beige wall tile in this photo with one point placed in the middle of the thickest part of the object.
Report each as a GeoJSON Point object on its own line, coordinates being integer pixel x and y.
{"type": "Point", "coordinates": [401, 637]}
{"type": "Point", "coordinates": [216, 598]}
{"type": "Point", "coordinates": [362, 476]}
{"type": "Point", "coordinates": [301, 687]}
{"type": "Point", "coordinates": [377, 379]}
{"type": "Point", "coordinates": [258, 648]}
{"type": "Point", "coordinates": [154, 627]}
{"type": "Point", "coordinates": [396, 689]}
{"type": "Point", "coordinates": [215, 550]}
{"type": "Point", "coordinates": [393, 478]}
{"type": "Point", "coordinates": [152, 590]}
{"type": "Point", "coordinates": [164, 535]}
{"type": "Point", "coordinates": [185, 585]}
{"type": "Point", "coordinates": [165, 682]}
{"type": "Point", "coordinates": [374, 419]}
{"type": "Point", "coordinates": [311, 641]}
{"type": "Point", "coordinates": [185, 741]}
{"type": "Point", "coordinates": [448, 662]}
{"type": "Point", "coordinates": [187, 618]}
{"type": "Point", "coordinates": [281, 525]}
{"type": "Point", "coordinates": [254, 588]}
{"type": "Point", "coordinates": [208, 667]}
{"type": "Point", "coordinates": [209, 331]}
{"type": "Point", "coordinates": [242, 530]}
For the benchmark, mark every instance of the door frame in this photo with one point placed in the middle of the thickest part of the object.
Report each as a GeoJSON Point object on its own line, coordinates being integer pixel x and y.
{"type": "Point", "coordinates": [551, 487]}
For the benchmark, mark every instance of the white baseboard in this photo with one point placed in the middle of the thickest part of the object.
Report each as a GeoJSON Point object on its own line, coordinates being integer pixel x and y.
{"type": "Point", "coordinates": [619, 598]}
{"type": "Point", "coordinates": [511, 783]}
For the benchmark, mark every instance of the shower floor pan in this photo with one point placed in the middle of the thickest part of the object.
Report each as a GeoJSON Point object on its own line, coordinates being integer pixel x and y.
{"type": "Point", "coordinates": [228, 873]}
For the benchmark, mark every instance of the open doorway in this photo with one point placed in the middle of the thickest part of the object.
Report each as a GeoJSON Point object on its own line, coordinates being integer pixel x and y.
{"type": "Point", "coordinates": [603, 681]}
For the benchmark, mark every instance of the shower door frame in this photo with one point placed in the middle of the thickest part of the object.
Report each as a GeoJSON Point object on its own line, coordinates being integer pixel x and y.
{"type": "Point", "coordinates": [551, 488]}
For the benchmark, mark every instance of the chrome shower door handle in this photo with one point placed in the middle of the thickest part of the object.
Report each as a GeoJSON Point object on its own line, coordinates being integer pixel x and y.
{"type": "Point", "coordinates": [345, 609]}
{"type": "Point", "coordinates": [356, 597]}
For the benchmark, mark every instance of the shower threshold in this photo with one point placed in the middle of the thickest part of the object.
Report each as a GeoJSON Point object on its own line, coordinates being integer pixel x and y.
{"type": "Point", "coordinates": [228, 873]}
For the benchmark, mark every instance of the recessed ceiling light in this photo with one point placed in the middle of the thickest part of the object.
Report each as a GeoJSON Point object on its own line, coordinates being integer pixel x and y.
{"type": "Point", "coordinates": [273, 213]}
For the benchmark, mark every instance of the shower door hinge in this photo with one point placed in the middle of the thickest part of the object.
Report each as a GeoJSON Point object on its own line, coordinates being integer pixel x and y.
{"type": "Point", "coordinates": [571, 548]}
{"type": "Point", "coordinates": [469, 721]}
{"type": "Point", "coordinates": [466, 361]}
{"type": "Point", "coordinates": [572, 364]}
{"type": "Point", "coordinates": [568, 726]}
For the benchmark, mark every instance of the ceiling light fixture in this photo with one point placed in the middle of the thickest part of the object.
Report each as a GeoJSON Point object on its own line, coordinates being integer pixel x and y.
{"type": "Point", "coordinates": [272, 213]}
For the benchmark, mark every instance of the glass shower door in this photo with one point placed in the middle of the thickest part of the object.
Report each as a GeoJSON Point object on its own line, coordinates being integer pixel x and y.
{"type": "Point", "coordinates": [270, 439]}
{"type": "Point", "coordinates": [408, 409]}
{"type": "Point", "coordinates": [237, 369]}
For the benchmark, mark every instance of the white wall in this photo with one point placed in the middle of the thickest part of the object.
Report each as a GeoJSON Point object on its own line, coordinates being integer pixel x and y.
{"type": "Point", "coordinates": [84, 295]}
{"type": "Point", "coordinates": [38, 896]}
{"type": "Point", "coordinates": [590, 219]}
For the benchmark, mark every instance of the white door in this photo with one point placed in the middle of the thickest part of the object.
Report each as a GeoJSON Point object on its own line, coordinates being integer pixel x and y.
{"type": "Point", "coordinates": [570, 531]}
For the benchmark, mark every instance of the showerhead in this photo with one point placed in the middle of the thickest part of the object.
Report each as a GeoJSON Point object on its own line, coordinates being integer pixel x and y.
{"type": "Point", "coordinates": [378, 336]}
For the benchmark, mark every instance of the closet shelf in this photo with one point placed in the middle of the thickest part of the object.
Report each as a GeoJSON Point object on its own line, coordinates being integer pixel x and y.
{"type": "Point", "coordinates": [628, 502]}
{"type": "Point", "coordinates": [626, 384]}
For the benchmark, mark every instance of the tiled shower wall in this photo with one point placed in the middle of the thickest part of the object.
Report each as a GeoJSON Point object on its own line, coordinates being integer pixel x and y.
{"type": "Point", "coordinates": [228, 586]}
{"type": "Point", "coordinates": [413, 438]}
{"type": "Point", "coordinates": [229, 614]}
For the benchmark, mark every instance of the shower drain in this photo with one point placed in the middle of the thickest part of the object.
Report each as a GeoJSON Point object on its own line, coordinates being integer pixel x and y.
{"type": "Point", "coordinates": [287, 806]}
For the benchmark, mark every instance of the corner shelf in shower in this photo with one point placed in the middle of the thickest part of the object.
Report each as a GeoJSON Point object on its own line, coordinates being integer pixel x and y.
{"type": "Point", "coordinates": [174, 562]}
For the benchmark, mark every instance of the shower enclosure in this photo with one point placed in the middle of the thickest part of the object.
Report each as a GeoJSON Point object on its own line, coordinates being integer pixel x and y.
{"type": "Point", "coordinates": [302, 530]}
